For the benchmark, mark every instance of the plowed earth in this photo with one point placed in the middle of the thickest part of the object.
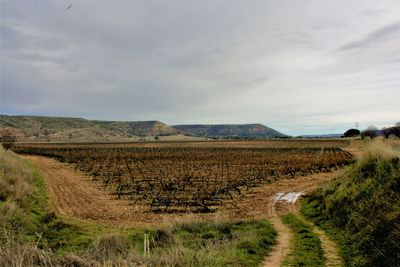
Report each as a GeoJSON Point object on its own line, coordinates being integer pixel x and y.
{"type": "Point", "coordinates": [74, 194]}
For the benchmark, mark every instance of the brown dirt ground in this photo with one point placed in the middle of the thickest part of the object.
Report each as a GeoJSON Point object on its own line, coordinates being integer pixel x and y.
{"type": "Point", "coordinates": [74, 194]}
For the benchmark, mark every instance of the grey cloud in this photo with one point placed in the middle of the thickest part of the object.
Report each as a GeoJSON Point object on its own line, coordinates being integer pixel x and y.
{"type": "Point", "coordinates": [373, 13]}
{"type": "Point", "coordinates": [389, 31]}
{"type": "Point", "coordinates": [200, 62]}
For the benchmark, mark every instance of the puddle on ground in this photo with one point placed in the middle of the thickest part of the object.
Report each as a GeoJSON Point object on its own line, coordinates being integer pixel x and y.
{"type": "Point", "coordinates": [290, 197]}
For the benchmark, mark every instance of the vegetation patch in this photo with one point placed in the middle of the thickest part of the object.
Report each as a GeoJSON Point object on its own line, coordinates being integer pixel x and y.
{"type": "Point", "coordinates": [361, 209]}
{"type": "Point", "coordinates": [307, 250]}
{"type": "Point", "coordinates": [237, 243]}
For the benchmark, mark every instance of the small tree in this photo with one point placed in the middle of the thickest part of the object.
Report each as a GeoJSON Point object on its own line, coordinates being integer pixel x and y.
{"type": "Point", "coordinates": [391, 131]}
{"type": "Point", "coordinates": [352, 133]}
{"type": "Point", "coordinates": [370, 132]}
{"type": "Point", "coordinates": [7, 140]}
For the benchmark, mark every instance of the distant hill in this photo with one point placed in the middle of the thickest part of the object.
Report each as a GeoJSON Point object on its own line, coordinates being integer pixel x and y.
{"type": "Point", "coordinates": [139, 128]}
{"type": "Point", "coordinates": [61, 129]}
{"type": "Point", "coordinates": [230, 130]}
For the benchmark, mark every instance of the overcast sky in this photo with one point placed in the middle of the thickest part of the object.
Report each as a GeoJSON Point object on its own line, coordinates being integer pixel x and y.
{"type": "Point", "coordinates": [298, 66]}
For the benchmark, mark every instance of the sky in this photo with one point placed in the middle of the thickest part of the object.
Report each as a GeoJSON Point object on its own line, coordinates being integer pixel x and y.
{"type": "Point", "coordinates": [300, 67]}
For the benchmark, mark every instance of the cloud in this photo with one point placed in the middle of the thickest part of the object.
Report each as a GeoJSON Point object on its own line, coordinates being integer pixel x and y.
{"type": "Point", "coordinates": [372, 13]}
{"type": "Point", "coordinates": [270, 62]}
{"type": "Point", "coordinates": [380, 35]}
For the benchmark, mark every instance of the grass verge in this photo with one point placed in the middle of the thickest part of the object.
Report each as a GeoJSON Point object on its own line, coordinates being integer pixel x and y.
{"type": "Point", "coordinates": [360, 210]}
{"type": "Point", "coordinates": [307, 250]}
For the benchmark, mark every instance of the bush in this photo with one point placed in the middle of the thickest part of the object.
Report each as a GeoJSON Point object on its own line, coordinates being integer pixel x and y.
{"type": "Point", "coordinates": [110, 246]}
{"type": "Point", "coordinates": [352, 133]}
{"type": "Point", "coordinates": [391, 131]}
{"type": "Point", "coordinates": [7, 140]}
{"type": "Point", "coordinates": [370, 132]}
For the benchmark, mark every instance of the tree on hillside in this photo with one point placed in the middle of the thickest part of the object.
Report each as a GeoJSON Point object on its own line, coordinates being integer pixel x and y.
{"type": "Point", "coordinates": [370, 132]}
{"type": "Point", "coordinates": [352, 133]}
{"type": "Point", "coordinates": [7, 139]}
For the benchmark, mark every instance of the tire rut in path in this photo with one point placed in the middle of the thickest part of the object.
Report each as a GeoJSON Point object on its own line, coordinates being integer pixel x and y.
{"type": "Point", "coordinates": [285, 235]}
{"type": "Point", "coordinates": [283, 246]}
{"type": "Point", "coordinates": [331, 251]}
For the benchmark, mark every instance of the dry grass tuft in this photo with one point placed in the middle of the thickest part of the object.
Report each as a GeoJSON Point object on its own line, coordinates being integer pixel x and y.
{"type": "Point", "coordinates": [110, 246]}
{"type": "Point", "coordinates": [16, 253]}
{"type": "Point", "coordinates": [385, 148]}
{"type": "Point", "coordinates": [16, 178]}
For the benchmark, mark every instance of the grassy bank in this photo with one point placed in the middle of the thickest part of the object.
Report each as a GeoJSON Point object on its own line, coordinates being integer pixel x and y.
{"type": "Point", "coordinates": [32, 235]}
{"type": "Point", "coordinates": [361, 209]}
{"type": "Point", "coordinates": [307, 250]}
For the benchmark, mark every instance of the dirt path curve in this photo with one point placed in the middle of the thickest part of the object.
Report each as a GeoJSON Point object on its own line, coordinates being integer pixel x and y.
{"type": "Point", "coordinates": [277, 208]}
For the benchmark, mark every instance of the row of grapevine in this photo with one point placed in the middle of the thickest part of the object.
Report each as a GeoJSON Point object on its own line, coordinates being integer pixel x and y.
{"type": "Point", "coordinates": [179, 178]}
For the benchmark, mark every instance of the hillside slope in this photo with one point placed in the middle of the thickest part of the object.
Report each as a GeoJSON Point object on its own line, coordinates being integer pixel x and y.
{"type": "Point", "coordinates": [230, 130]}
{"type": "Point", "coordinates": [39, 128]}
{"type": "Point", "coordinates": [64, 129]}
{"type": "Point", "coordinates": [139, 128]}
{"type": "Point", "coordinates": [361, 209]}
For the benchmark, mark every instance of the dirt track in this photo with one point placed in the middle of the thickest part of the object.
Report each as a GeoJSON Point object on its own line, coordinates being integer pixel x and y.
{"type": "Point", "coordinates": [274, 209]}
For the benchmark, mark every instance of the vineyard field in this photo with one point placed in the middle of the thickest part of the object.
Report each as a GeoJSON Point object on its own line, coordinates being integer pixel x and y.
{"type": "Point", "coordinates": [193, 176]}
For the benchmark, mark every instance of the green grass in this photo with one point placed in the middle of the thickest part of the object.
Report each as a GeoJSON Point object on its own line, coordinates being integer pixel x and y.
{"type": "Point", "coordinates": [361, 211]}
{"type": "Point", "coordinates": [238, 243]}
{"type": "Point", "coordinates": [307, 250]}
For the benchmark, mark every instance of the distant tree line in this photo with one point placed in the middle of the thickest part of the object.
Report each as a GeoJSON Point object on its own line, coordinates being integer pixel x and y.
{"type": "Point", "coordinates": [392, 131]}
{"type": "Point", "coordinates": [372, 132]}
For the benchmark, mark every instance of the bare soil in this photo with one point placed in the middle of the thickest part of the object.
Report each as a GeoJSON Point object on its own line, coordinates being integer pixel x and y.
{"type": "Point", "coordinates": [74, 194]}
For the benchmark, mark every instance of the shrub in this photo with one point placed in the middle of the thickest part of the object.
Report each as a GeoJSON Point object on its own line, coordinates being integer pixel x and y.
{"type": "Point", "coordinates": [370, 132]}
{"type": "Point", "coordinates": [391, 131]}
{"type": "Point", "coordinates": [110, 246]}
{"type": "Point", "coordinates": [352, 133]}
{"type": "Point", "coordinates": [7, 140]}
